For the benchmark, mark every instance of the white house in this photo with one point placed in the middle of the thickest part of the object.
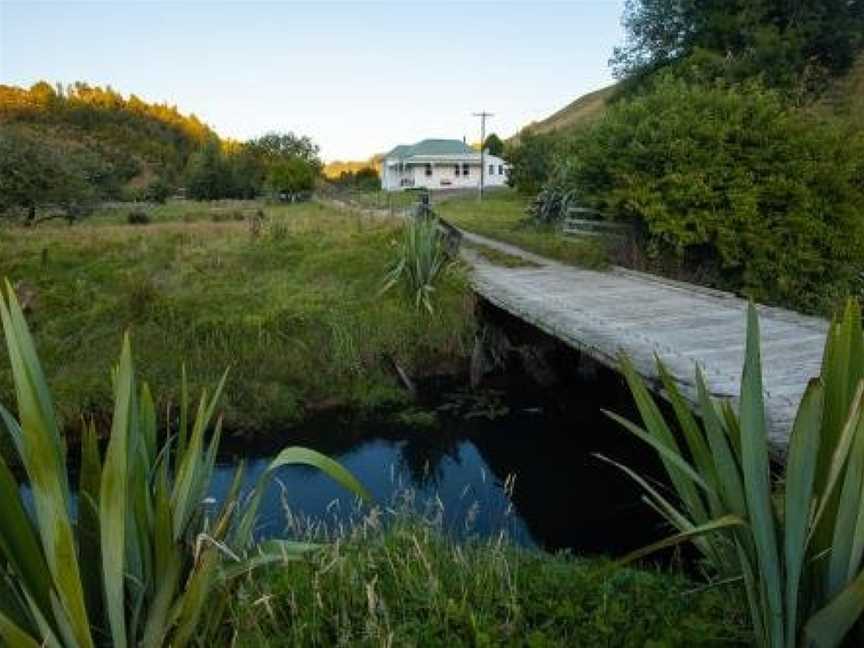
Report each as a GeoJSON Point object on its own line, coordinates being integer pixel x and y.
{"type": "Point", "coordinates": [440, 164]}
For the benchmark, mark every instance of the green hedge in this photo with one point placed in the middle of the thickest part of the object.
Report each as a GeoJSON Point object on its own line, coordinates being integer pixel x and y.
{"type": "Point", "coordinates": [735, 178]}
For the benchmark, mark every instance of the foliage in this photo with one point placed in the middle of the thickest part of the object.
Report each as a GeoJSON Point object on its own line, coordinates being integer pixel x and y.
{"type": "Point", "coordinates": [493, 145]}
{"type": "Point", "coordinates": [145, 564]}
{"type": "Point", "coordinates": [291, 175]}
{"type": "Point", "coordinates": [93, 139]}
{"type": "Point", "coordinates": [36, 175]}
{"type": "Point", "coordinates": [797, 551]}
{"type": "Point", "coordinates": [274, 147]}
{"type": "Point", "coordinates": [531, 160]}
{"type": "Point", "coordinates": [127, 137]}
{"type": "Point", "coordinates": [779, 41]}
{"type": "Point", "coordinates": [157, 191]}
{"type": "Point", "coordinates": [194, 285]}
{"type": "Point", "coordinates": [363, 179]}
{"type": "Point", "coordinates": [420, 261]}
{"type": "Point", "coordinates": [552, 204]}
{"type": "Point", "coordinates": [207, 176]}
{"type": "Point", "coordinates": [406, 584]}
{"type": "Point", "coordinates": [732, 177]}
{"type": "Point", "coordinates": [221, 170]}
{"type": "Point", "coordinates": [138, 217]}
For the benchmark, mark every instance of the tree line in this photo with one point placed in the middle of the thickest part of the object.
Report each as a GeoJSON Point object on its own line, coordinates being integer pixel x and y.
{"type": "Point", "coordinates": [63, 150]}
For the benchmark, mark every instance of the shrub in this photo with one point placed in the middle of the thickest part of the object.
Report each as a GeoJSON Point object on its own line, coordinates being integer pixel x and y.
{"type": "Point", "coordinates": [420, 261]}
{"type": "Point", "coordinates": [732, 176]}
{"type": "Point", "coordinates": [531, 160]}
{"type": "Point", "coordinates": [138, 217]}
{"type": "Point", "coordinates": [145, 563]}
{"type": "Point", "coordinates": [157, 191]}
{"type": "Point", "coordinates": [798, 550]}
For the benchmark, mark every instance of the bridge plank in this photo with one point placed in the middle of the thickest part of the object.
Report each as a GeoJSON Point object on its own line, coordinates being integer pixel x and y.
{"type": "Point", "coordinates": [608, 313]}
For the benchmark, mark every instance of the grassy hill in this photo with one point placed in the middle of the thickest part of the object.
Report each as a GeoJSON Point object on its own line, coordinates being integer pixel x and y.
{"type": "Point", "coordinates": [845, 96]}
{"type": "Point", "coordinates": [583, 110]}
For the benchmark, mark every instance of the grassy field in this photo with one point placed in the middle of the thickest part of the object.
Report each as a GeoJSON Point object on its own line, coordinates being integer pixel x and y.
{"type": "Point", "coordinates": [502, 216]}
{"type": "Point", "coordinates": [408, 586]}
{"type": "Point", "coordinates": [292, 308]}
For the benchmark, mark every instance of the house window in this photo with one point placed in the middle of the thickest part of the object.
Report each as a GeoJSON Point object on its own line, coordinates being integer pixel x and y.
{"type": "Point", "coordinates": [466, 170]}
{"type": "Point", "coordinates": [500, 169]}
{"type": "Point", "coordinates": [456, 170]}
{"type": "Point", "coordinates": [428, 169]}
{"type": "Point", "coordinates": [491, 169]}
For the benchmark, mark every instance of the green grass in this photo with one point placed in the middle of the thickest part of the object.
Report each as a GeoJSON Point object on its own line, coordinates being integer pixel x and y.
{"type": "Point", "coordinates": [499, 258]}
{"type": "Point", "coordinates": [390, 201]}
{"type": "Point", "coordinates": [409, 586]}
{"type": "Point", "coordinates": [502, 215]}
{"type": "Point", "coordinates": [295, 311]}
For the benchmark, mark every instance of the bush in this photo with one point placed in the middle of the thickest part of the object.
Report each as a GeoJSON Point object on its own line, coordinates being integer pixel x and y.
{"type": "Point", "coordinates": [797, 550]}
{"type": "Point", "coordinates": [531, 161]}
{"type": "Point", "coordinates": [157, 191]}
{"type": "Point", "coordinates": [731, 176]}
{"type": "Point", "coordinates": [420, 261]}
{"type": "Point", "coordinates": [138, 217]}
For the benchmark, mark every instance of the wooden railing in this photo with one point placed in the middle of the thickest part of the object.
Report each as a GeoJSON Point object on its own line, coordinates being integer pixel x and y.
{"type": "Point", "coordinates": [581, 221]}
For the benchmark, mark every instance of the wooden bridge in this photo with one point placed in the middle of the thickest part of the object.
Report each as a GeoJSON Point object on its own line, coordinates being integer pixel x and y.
{"type": "Point", "coordinates": [619, 311]}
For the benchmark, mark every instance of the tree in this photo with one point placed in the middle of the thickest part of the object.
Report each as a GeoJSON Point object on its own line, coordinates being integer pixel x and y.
{"type": "Point", "coordinates": [367, 179]}
{"type": "Point", "coordinates": [273, 147]}
{"type": "Point", "coordinates": [531, 160]}
{"type": "Point", "coordinates": [290, 176]}
{"type": "Point", "coordinates": [493, 145]}
{"type": "Point", "coordinates": [208, 176]}
{"type": "Point", "coordinates": [775, 39]}
{"type": "Point", "coordinates": [35, 175]}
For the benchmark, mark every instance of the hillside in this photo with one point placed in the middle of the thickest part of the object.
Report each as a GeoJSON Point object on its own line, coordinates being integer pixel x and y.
{"type": "Point", "coordinates": [334, 169]}
{"type": "Point", "coordinates": [126, 144]}
{"type": "Point", "coordinates": [582, 111]}
{"type": "Point", "coordinates": [845, 96]}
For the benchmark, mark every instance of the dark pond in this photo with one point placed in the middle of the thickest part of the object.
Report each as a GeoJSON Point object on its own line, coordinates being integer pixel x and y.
{"type": "Point", "coordinates": [530, 471]}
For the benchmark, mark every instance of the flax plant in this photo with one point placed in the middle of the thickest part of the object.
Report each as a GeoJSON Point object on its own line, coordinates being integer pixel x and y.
{"type": "Point", "coordinates": [144, 562]}
{"type": "Point", "coordinates": [795, 546]}
{"type": "Point", "coordinates": [420, 261]}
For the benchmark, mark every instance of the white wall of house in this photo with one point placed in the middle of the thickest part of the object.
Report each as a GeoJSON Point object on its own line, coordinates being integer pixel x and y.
{"type": "Point", "coordinates": [443, 175]}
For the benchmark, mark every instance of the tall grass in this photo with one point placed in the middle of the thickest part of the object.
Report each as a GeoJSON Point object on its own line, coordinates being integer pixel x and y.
{"type": "Point", "coordinates": [420, 261]}
{"type": "Point", "coordinates": [397, 580]}
{"type": "Point", "coordinates": [796, 548]}
{"type": "Point", "coordinates": [210, 294]}
{"type": "Point", "coordinates": [145, 563]}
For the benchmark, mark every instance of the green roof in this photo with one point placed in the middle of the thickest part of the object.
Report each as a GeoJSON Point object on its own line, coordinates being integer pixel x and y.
{"type": "Point", "coordinates": [431, 147]}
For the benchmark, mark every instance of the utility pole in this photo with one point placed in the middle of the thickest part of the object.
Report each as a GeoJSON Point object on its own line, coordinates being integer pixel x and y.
{"type": "Point", "coordinates": [482, 115]}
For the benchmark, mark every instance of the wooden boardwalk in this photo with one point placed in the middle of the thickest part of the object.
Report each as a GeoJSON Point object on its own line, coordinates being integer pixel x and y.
{"type": "Point", "coordinates": [619, 311]}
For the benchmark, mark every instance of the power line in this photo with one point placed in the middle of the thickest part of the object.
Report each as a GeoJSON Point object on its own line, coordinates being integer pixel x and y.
{"type": "Point", "coordinates": [482, 115]}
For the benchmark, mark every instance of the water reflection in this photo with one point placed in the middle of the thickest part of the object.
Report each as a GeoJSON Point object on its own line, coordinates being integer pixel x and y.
{"type": "Point", "coordinates": [533, 473]}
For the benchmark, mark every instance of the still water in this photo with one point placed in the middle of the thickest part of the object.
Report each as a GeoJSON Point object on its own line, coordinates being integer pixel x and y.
{"type": "Point", "coordinates": [531, 472]}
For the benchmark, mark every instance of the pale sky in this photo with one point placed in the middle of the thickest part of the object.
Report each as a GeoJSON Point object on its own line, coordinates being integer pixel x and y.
{"type": "Point", "coordinates": [358, 77]}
